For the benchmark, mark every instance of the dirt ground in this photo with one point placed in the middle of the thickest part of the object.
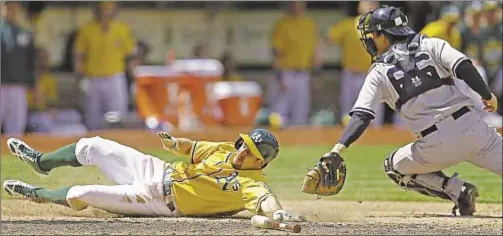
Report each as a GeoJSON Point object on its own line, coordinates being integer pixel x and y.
{"type": "Point", "coordinates": [322, 218]}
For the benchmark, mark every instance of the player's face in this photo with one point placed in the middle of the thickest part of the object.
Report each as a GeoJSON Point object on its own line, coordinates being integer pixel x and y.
{"type": "Point", "coordinates": [245, 160]}
{"type": "Point", "coordinates": [381, 42]}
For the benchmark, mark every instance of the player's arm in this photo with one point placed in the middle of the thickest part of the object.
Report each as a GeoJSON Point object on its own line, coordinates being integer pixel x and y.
{"type": "Point", "coordinates": [130, 48]}
{"type": "Point", "coordinates": [260, 200]}
{"type": "Point", "coordinates": [362, 113]}
{"type": "Point", "coordinates": [462, 68]}
{"type": "Point", "coordinates": [81, 45]}
{"type": "Point", "coordinates": [277, 41]}
{"type": "Point", "coordinates": [196, 151]}
{"type": "Point", "coordinates": [334, 36]}
{"type": "Point", "coordinates": [179, 146]}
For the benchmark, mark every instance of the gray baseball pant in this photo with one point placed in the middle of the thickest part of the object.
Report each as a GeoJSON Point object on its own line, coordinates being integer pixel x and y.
{"type": "Point", "coordinates": [351, 84]}
{"type": "Point", "coordinates": [104, 94]}
{"type": "Point", "coordinates": [13, 109]}
{"type": "Point", "coordinates": [294, 103]}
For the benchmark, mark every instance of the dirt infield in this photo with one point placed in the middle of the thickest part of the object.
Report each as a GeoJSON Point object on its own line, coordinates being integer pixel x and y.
{"type": "Point", "coordinates": [323, 218]}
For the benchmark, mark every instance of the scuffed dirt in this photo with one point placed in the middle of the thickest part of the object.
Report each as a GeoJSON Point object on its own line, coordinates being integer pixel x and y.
{"type": "Point", "coordinates": [323, 218]}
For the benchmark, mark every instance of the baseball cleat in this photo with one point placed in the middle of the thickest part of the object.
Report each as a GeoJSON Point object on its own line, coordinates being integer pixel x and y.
{"type": "Point", "coordinates": [27, 154]}
{"type": "Point", "coordinates": [19, 188]}
{"type": "Point", "coordinates": [467, 200]}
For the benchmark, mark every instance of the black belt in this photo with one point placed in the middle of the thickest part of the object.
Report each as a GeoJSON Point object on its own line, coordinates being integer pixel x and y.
{"type": "Point", "coordinates": [170, 201]}
{"type": "Point", "coordinates": [454, 115]}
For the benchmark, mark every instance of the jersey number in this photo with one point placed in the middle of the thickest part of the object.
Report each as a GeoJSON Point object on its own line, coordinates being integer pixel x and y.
{"type": "Point", "coordinates": [229, 181]}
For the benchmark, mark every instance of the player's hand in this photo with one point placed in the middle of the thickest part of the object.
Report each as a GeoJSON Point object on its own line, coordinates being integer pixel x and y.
{"type": "Point", "coordinates": [168, 142]}
{"type": "Point", "coordinates": [282, 216]}
{"type": "Point", "coordinates": [492, 104]}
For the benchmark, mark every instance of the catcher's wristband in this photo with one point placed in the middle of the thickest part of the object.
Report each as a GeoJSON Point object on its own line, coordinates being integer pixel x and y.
{"type": "Point", "coordinates": [338, 148]}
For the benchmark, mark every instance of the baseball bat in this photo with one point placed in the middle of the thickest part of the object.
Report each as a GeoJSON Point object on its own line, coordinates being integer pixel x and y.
{"type": "Point", "coordinates": [267, 223]}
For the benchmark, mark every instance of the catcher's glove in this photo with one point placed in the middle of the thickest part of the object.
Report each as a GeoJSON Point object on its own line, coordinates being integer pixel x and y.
{"type": "Point", "coordinates": [327, 177]}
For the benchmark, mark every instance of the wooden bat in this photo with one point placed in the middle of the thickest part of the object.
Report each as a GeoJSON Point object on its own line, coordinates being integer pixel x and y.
{"type": "Point", "coordinates": [267, 223]}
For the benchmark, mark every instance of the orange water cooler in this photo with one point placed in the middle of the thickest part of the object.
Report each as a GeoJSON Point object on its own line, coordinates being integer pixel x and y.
{"type": "Point", "coordinates": [179, 93]}
{"type": "Point", "coordinates": [239, 101]}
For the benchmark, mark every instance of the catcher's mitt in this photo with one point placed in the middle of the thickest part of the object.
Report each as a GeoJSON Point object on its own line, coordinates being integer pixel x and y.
{"type": "Point", "coordinates": [327, 177]}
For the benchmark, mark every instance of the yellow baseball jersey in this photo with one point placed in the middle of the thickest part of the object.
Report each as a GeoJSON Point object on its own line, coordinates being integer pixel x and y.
{"type": "Point", "coordinates": [47, 87]}
{"type": "Point", "coordinates": [210, 185]}
{"type": "Point", "coordinates": [354, 56]}
{"type": "Point", "coordinates": [295, 40]}
{"type": "Point", "coordinates": [438, 29]}
{"type": "Point", "coordinates": [105, 52]}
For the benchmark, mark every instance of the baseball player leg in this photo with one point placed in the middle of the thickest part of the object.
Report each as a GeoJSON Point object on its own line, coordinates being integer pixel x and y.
{"type": "Point", "coordinates": [15, 111]}
{"type": "Point", "coordinates": [301, 99]}
{"type": "Point", "coordinates": [346, 94]}
{"type": "Point", "coordinates": [273, 90]}
{"type": "Point", "coordinates": [93, 104]}
{"type": "Point", "coordinates": [406, 168]}
{"type": "Point", "coordinates": [282, 104]}
{"type": "Point", "coordinates": [117, 95]}
{"type": "Point", "coordinates": [487, 143]}
{"type": "Point", "coordinates": [120, 199]}
{"type": "Point", "coordinates": [40, 122]}
{"type": "Point", "coordinates": [119, 163]}
{"type": "Point", "coordinates": [351, 84]}
{"type": "Point", "coordinates": [3, 107]}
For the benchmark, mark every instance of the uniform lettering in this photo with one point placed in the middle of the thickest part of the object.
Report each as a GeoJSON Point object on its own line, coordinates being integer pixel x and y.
{"type": "Point", "coordinates": [229, 180]}
{"type": "Point", "coordinates": [256, 137]}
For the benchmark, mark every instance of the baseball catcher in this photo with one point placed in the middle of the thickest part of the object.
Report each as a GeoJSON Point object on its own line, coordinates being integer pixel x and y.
{"type": "Point", "coordinates": [218, 178]}
{"type": "Point", "coordinates": [415, 76]}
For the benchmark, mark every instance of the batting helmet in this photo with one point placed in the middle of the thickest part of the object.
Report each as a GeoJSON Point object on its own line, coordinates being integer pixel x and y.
{"type": "Point", "coordinates": [390, 20]}
{"type": "Point", "coordinates": [261, 143]}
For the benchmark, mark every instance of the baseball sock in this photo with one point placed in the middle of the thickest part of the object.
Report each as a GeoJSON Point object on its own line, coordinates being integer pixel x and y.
{"type": "Point", "coordinates": [54, 196]}
{"type": "Point", "coordinates": [64, 156]}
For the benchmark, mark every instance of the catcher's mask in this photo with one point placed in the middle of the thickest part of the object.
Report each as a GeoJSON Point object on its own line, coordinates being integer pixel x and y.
{"type": "Point", "coordinates": [261, 143]}
{"type": "Point", "coordinates": [385, 19]}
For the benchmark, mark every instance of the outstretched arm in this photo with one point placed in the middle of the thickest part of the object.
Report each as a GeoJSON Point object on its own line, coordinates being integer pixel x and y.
{"type": "Point", "coordinates": [261, 201]}
{"type": "Point", "coordinates": [362, 112]}
{"type": "Point", "coordinates": [179, 146]}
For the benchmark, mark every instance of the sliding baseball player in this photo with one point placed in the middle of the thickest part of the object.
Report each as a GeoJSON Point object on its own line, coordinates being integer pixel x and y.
{"type": "Point", "coordinates": [218, 178]}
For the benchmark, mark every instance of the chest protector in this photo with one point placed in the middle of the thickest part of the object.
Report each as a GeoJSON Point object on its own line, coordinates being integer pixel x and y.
{"type": "Point", "coordinates": [410, 74]}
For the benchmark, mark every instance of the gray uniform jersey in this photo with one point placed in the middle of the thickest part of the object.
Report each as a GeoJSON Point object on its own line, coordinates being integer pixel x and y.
{"type": "Point", "coordinates": [427, 108]}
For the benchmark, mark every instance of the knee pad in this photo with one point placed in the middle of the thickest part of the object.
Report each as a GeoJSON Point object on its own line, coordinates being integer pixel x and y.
{"type": "Point", "coordinates": [435, 184]}
{"type": "Point", "coordinates": [85, 146]}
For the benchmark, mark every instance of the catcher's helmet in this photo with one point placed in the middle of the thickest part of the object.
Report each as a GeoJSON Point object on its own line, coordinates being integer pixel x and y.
{"type": "Point", "coordinates": [385, 19]}
{"type": "Point", "coordinates": [261, 143]}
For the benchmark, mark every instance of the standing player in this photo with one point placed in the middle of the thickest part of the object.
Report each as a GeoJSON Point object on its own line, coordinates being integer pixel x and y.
{"type": "Point", "coordinates": [221, 178]}
{"type": "Point", "coordinates": [294, 39]}
{"type": "Point", "coordinates": [355, 60]}
{"type": "Point", "coordinates": [101, 49]}
{"type": "Point", "coordinates": [414, 75]}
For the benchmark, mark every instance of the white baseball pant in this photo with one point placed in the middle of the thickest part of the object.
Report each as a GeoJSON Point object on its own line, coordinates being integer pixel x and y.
{"type": "Point", "coordinates": [139, 179]}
